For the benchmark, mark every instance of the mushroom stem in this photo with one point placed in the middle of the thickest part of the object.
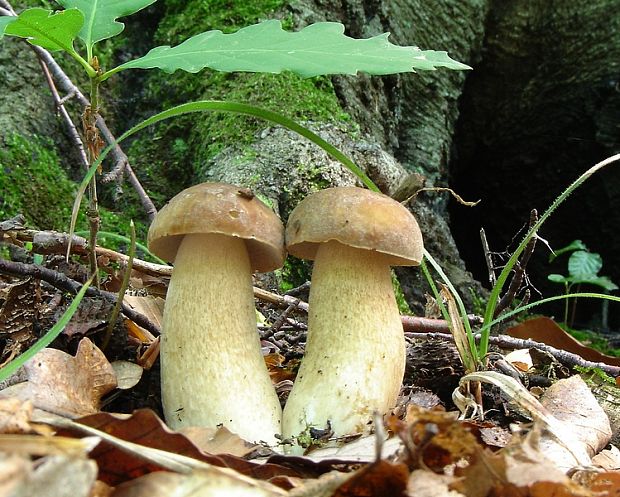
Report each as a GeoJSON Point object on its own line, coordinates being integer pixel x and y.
{"type": "Point", "coordinates": [355, 354]}
{"type": "Point", "coordinates": [212, 369]}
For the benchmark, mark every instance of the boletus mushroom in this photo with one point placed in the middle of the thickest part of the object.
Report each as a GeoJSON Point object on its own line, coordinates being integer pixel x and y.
{"type": "Point", "coordinates": [212, 369]}
{"type": "Point", "coordinates": [354, 359]}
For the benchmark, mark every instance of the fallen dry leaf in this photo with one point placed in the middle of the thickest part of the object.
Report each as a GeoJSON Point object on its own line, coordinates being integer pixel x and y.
{"type": "Point", "coordinates": [428, 484]}
{"type": "Point", "coordinates": [218, 441]}
{"type": "Point", "coordinates": [16, 416]}
{"type": "Point", "coordinates": [608, 459]}
{"type": "Point", "coordinates": [128, 374]}
{"type": "Point", "coordinates": [571, 401]}
{"type": "Point", "coordinates": [378, 479]}
{"type": "Point", "coordinates": [53, 476]}
{"type": "Point", "coordinates": [546, 330]}
{"type": "Point", "coordinates": [199, 483]}
{"type": "Point", "coordinates": [144, 428]}
{"type": "Point", "coordinates": [60, 383]}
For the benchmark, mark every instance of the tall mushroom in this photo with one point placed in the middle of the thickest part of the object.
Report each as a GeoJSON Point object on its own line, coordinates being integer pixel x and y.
{"type": "Point", "coordinates": [212, 369]}
{"type": "Point", "coordinates": [355, 353]}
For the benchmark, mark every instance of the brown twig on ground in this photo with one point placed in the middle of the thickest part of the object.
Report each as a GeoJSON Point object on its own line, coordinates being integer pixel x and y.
{"type": "Point", "coordinates": [64, 283]}
{"type": "Point", "coordinates": [508, 342]}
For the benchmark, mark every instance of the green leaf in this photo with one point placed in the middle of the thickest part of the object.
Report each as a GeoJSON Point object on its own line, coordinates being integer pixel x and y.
{"type": "Point", "coordinates": [558, 278]}
{"type": "Point", "coordinates": [600, 281]}
{"type": "Point", "coordinates": [44, 28]}
{"type": "Point", "coordinates": [574, 245]}
{"type": "Point", "coordinates": [100, 17]}
{"type": "Point", "coordinates": [320, 48]}
{"type": "Point", "coordinates": [4, 22]}
{"type": "Point", "coordinates": [584, 265]}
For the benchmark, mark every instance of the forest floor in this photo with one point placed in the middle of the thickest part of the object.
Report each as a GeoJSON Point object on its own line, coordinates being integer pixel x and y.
{"type": "Point", "coordinates": [85, 413]}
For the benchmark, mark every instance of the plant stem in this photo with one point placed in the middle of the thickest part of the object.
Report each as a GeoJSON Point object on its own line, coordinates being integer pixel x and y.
{"type": "Point", "coordinates": [121, 293]}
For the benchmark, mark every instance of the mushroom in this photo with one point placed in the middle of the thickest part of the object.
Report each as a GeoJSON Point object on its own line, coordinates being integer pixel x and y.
{"type": "Point", "coordinates": [212, 369]}
{"type": "Point", "coordinates": [354, 360]}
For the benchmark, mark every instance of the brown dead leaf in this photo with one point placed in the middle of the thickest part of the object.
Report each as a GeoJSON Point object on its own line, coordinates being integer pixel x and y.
{"type": "Point", "coordinates": [53, 476]}
{"type": "Point", "coordinates": [143, 427]}
{"type": "Point", "coordinates": [428, 484]}
{"type": "Point", "coordinates": [277, 370]}
{"type": "Point", "coordinates": [546, 330]}
{"type": "Point", "coordinates": [381, 478]}
{"type": "Point", "coordinates": [608, 459]}
{"type": "Point", "coordinates": [434, 439]}
{"type": "Point", "coordinates": [199, 483]}
{"type": "Point", "coordinates": [572, 402]}
{"type": "Point", "coordinates": [17, 315]}
{"type": "Point", "coordinates": [60, 383]}
{"type": "Point", "coordinates": [218, 441]}
{"type": "Point", "coordinates": [128, 374]}
{"type": "Point", "coordinates": [92, 314]}
{"type": "Point", "coordinates": [149, 306]}
{"type": "Point", "coordinates": [16, 416]}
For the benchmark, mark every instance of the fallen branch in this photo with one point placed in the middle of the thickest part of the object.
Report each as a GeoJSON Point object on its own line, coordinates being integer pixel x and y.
{"type": "Point", "coordinates": [64, 283]}
{"type": "Point", "coordinates": [508, 342]}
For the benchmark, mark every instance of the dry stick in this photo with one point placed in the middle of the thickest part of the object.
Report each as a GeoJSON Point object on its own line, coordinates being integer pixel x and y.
{"type": "Point", "coordinates": [519, 272]}
{"type": "Point", "coordinates": [62, 282]}
{"type": "Point", "coordinates": [118, 155]}
{"type": "Point", "coordinates": [74, 136]}
{"type": "Point", "coordinates": [508, 342]}
{"type": "Point", "coordinates": [57, 243]}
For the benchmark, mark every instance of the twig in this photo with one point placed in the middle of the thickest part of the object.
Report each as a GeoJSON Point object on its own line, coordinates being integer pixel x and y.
{"type": "Point", "coordinates": [62, 282]}
{"type": "Point", "coordinates": [74, 136]}
{"type": "Point", "coordinates": [487, 256]}
{"type": "Point", "coordinates": [508, 342]}
{"type": "Point", "coordinates": [519, 271]}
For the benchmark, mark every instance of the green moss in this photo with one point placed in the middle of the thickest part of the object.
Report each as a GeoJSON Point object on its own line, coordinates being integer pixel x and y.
{"type": "Point", "coordinates": [403, 306]}
{"type": "Point", "coordinates": [33, 183]}
{"type": "Point", "coordinates": [294, 273]}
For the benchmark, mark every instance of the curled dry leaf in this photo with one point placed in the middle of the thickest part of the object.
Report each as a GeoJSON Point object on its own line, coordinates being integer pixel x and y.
{"type": "Point", "coordinates": [53, 476]}
{"type": "Point", "coordinates": [218, 441]}
{"type": "Point", "coordinates": [60, 383]}
{"type": "Point", "coordinates": [199, 483]}
{"type": "Point", "coordinates": [118, 463]}
{"type": "Point", "coordinates": [571, 402]}
{"type": "Point", "coordinates": [128, 374]}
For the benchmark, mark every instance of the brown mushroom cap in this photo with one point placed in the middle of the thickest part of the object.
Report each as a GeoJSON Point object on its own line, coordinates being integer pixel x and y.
{"type": "Point", "coordinates": [220, 209]}
{"type": "Point", "coordinates": [358, 218]}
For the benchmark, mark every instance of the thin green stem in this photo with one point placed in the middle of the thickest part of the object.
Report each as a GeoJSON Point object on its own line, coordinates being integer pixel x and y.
{"type": "Point", "coordinates": [124, 285]}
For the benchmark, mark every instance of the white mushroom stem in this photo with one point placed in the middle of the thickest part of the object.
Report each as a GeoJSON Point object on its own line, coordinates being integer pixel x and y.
{"type": "Point", "coordinates": [212, 369]}
{"type": "Point", "coordinates": [355, 354]}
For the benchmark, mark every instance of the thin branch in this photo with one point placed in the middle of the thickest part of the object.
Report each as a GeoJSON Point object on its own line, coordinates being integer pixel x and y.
{"type": "Point", "coordinates": [508, 342]}
{"type": "Point", "coordinates": [519, 271]}
{"type": "Point", "coordinates": [74, 136]}
{"type": "Point", "coordinates": [64, 283]}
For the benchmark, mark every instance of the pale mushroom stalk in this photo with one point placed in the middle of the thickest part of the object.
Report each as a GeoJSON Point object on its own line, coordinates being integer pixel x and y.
{"type": "Point", "coordinates": [355, 352]}
{"type": "Point", "coordinates": [211, 366]}
{"type": "Point", "coordinates": [354, 360]}
{"type": "Point", "coordinates": [212, 369]}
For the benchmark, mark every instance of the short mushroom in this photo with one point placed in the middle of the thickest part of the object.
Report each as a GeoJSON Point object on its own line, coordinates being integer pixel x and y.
{"type": "Point", "coordinates": [354, 360]}
{"type": "Point", "coordinates": [212, 369]}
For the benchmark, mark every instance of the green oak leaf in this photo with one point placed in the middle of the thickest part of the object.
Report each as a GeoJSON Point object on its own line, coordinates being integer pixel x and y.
{"type": "Point", "coordinates": [44, 28]}
{"type": "Point", "coordinates": [320, 48]}
{"type": "Point", "coordinates": [100, 17]}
